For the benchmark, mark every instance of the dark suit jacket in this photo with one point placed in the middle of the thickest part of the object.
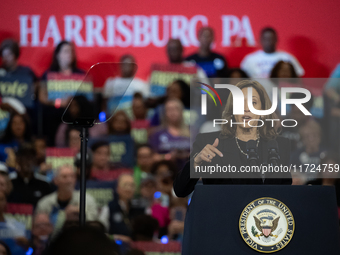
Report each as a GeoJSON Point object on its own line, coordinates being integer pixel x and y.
{"type": "Point", "coordinates": [184, 185]}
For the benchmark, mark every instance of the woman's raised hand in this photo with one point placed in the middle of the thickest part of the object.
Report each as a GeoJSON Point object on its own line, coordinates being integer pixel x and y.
{"type": "Point", "coordinates": [208, 153]}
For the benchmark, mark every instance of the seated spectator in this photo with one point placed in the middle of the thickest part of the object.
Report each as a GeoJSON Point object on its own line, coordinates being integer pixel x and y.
{"type": "Point", "coordinates": [144, 162]}
{"type": "Point", "coordinates": [139, 122]}
{"type": "Point", "coordinates": [27, 188]}
{"type": "Point", "coordinates": [311, 152]}
{"type": "Point", "coordinates": [100, 158]}
{"type": "Point", "coordinates": [178, 89]}
{"type": "Point", "coordinates": [172, 139]}
{"type": "Point", "coordinates": [283, 70]}
{"type": "Point", "coordinates": [178, 210]}
{"type": "Point", "coordinates": [5, 183]}
{"type": "Point", "coordinates": [72, 138]}
{"type": "Point", "coordinates": [164, 172]}
{"type": "Point", "coordinates": [119, 124]}
{"type": "Point", "coordinates": [65, 199]}
{"type": "Point", "coordinates": [79, 107]}
{"type": "Point", "coordinates": [42, 230]}
{"type": "Point", "coordinates": [64, 63]}
{"type": "Point", "coordinates": [17, 132]}
{"type": "Point", "coordinates": [85, 240]}
{"type": "Point", "coordinates": [10, 52]}
{"type": "Point", "coordinates": [121, 210]}
{"type": "Point", "coordinates": [214, 64]}
{"type": "Point", "coordinates": [124, 87]}
{"type": "Point", "coordinates": [260, 63]}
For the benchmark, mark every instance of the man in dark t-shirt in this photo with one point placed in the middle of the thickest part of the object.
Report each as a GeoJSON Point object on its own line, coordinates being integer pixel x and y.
{"type": "Point", "coordinates": [214, 64]}
{"type": "Point", "coordinates": [27, 189]}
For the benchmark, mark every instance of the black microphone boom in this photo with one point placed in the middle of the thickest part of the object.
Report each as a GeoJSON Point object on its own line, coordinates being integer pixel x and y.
{"type": "Point", "coordinates": [252, 157]}
{"type": "Point", "coordinates": [273, 153]}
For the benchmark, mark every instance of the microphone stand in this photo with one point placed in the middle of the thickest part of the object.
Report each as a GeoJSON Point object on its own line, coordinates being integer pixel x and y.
{"type": "Point", "coordinates": [84, 124]}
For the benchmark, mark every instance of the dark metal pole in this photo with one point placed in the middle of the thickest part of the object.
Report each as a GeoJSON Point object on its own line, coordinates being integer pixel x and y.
{"type": "Point", "coordinates": [83, 149]}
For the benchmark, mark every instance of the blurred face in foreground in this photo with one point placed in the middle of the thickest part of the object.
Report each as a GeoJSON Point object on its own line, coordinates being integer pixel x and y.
{"type": "Point", "coordinates": [268, 42]}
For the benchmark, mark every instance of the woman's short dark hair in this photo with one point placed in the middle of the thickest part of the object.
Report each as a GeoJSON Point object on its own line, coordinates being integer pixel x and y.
{"type": "Point", "coordinates": [55, 67]}
{"type": "Point", "coordinates": [12, 45]}
{"type": "Point", "coordinates": [98, 145]}
{"type": "Point", "coordinates": [112, 131]}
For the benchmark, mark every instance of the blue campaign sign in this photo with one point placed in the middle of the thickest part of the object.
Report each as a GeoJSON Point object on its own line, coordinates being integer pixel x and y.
{"type": "Point", "coordinates": [121, 149]}
{"type": "Point", "coordinates": [18, 86]}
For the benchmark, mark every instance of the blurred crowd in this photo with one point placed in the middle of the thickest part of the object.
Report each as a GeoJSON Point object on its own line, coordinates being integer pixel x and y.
{"type": "Point", "coordinates": [39, 203]}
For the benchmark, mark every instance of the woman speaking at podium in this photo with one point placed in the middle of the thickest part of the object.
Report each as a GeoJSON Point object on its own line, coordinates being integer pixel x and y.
{"type": "Point", "coordinates": [229, 146]}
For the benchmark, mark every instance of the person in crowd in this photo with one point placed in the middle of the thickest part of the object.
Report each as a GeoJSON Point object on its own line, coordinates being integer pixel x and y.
{"type": "Point", "coordinates": [330, 176]}
{"type": "Point", "coordinates": [64, 201]}
{"type": "Point", "coordinates": [178, 208]}
{"type": "Point", "coordinates": [214, 64]}
{"type": "Point", "coordinates": [72, 138]}
{"type": "Point", "coordinates": [121, 210]}
{"type": "Point", "coordinates": [119, 124]}
{"type": "Point", "coordinates": [42, 230]}
{"type": "Point", "coordinates": [139, 109]}
{"type": "Point", "coordinates": [86, 240]}
{"type": "Point", "coordinates": [172, 139]}
{"type": "Point", "coordinates": [174, 50]}
{"type": "Point", "coordinates": [27, 187]}
{"type": "Point", "coordinates": [237, 73]}
{"type": "Point", "coordinates": [164, 172]}
{"type": "Point", "coordinates": [18, 130]}
{"type": "Point", "coordinates": [9, 53]}
{"type": "Point", "coordinates": [144, 228]}
{"type": "Point", "coordinates": [178, 89]}
{"type": "Point", "coordinates": [312, 150]}
{"type": "Point", "coordinates": [259, 63]}
{"type": "Point", "coordinates": [123, 87]}
{"type": "Point", "coordinates": [283, 70]}
{"type": "Point", "coordinates": [64, 62]}
{"type": "Point", "coordinates": [80, 107]}
{"type": "Point", "coordinates": [100, 158]}
{"type": "Point", "coordinates": [139, 123]}
{"type": "Point", "coordinates": [143, 166]}
{"type": "Point", "coordinates": [5, 183]}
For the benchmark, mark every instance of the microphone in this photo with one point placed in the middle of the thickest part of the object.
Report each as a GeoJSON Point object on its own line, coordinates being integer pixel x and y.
{"type": "Point", "coordinates": [252, 157]}
{"type": "Point", "coordinates": [273, 153]}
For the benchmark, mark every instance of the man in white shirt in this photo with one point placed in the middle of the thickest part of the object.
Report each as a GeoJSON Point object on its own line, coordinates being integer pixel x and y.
{"type": "Point", "coordinates": [260, 63]}
{"type": "Point", "coordinates": [119, 90]}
